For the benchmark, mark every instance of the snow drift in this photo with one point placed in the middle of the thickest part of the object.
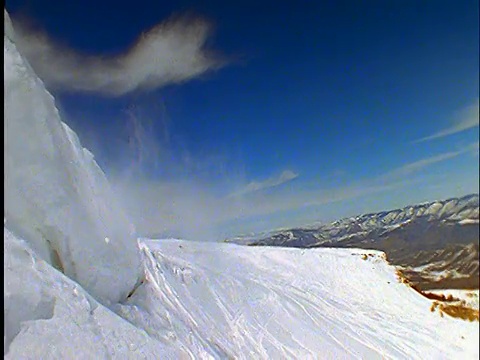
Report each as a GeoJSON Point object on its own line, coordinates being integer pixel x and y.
{"type": "Point", "coordinates": [56, 196]}
{"type": "Point", "coordinates": [50, 316]}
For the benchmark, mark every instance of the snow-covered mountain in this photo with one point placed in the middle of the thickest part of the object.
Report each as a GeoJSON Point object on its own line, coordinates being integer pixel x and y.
{"type": "Point", "coordinates": [436, 243]}
{"type": "Point", "coordinates": [78, 284]}
{"type": "Point", "coordinates": [456, 211]}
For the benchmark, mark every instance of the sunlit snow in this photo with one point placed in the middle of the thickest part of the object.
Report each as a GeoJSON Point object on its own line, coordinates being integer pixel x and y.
{"type": "Point", "coordinates": [79, 285]}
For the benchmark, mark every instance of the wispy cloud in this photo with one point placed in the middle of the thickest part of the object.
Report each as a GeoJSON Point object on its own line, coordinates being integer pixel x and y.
{"type": "Point", "coordinates": [466, 119]}
{"type": "Point", "coordinates": [194, 211]}
{"type": "Point", "coordinates": [254, 186]}
{"type": "Point", "coordinates": [172, 52]}
{"type": "Point", "coordinates": [418, 165]}
{"type": "Point", "coordinates": [474, 147]}
{"type": "Point", "coordinates": [267, 205]}
{"type": "Point", "coordinates": [402, 176]}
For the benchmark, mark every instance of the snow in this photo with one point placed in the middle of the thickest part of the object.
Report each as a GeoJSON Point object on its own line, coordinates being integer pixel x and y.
{"type": "Point", "coordinates": [79, 285]}
{"type": "Point", "coordinates": [8, 28]}
{"type": "Point", "coordinates": [434, 208]}
{"type": "Point", "coordinates": [56, 196]}
{"type": "Point", "coordinates": [211, 300]}
{"type": "Point", "coordinates": [49, 316]}
{"type": "Point", "coordinates": [469, 221]}
{"type": "Point", "coordinates": [399, 225]}
{"type": "Point", "coordinates": [263, 302]}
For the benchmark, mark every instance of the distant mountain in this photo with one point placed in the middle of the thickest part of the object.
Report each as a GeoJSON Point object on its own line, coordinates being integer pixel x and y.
{"type": "Point", "coordinates": [435, 243]}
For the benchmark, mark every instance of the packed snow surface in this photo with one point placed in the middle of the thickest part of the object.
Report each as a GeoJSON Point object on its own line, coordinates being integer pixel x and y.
{"type": "Point", "coordinates": [210, 300]}
{"type": "Point", "coordinates": [78, 285]}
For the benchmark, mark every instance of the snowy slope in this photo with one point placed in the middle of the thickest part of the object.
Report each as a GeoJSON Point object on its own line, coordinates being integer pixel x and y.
{"type": "Point", "coordinates": [207, 300]}
{"type": "Point", "coordinates": [56, 196]}
{"type": "Point", "coordinates": [243, 302]}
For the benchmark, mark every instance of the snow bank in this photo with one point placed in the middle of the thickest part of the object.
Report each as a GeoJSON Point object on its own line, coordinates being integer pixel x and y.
{"type": "Point", "coordinates": [56, 196]}
{"type": "Point", "coordinates": [8, 26]}
{"type": "Point", "coordinates": [49, 316]}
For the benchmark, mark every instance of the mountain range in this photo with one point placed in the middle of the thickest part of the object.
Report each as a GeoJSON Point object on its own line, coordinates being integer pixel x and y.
{"type": "Point", "coordinates": [434, 244]}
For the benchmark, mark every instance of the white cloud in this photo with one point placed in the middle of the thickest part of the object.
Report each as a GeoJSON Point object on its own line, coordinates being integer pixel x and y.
{"type": "Point", "coordinates": [418, 165]}
{"type": "Point", "coordinates": [171, 52]}
{"type": "Point", "coordinates": [254, 186]}
{"type": "Point", "coordinates": [466, 119]}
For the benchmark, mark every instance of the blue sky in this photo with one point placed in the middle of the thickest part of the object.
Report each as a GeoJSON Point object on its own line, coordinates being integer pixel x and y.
{"type": "Point", "coordinates": [287, 112]}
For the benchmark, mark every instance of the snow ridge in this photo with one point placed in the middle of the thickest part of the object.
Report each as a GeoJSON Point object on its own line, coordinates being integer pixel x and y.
{"type": "Point", "coordinates": [455, 211]}
{"type": "Point", "coordinates": [56, 196]}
